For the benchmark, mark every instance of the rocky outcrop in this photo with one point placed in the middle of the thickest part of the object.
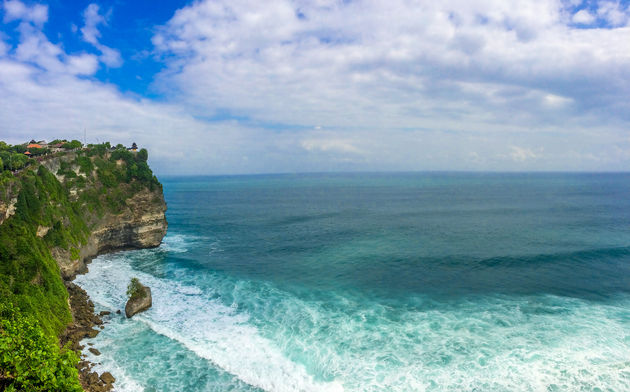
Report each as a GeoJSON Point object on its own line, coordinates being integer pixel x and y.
{"type": "Point", "coordinates": [7, 209]}
{"type": "Point", "coordinates": [139, 302]}
{"type": "Point", "coordinates": [83, 326]}
{"type": "Point", "coordinates": [142, 224]}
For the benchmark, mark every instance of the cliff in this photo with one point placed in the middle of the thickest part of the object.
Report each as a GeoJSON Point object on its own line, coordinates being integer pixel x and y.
{"type": "Point", "coordinates": [56, 214]}
{"type": "Point", "coordinates": [139, 224]}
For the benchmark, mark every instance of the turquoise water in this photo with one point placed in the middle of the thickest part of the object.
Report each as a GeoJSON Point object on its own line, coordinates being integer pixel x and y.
{"type": "Point", "coordinates": [377, 282]}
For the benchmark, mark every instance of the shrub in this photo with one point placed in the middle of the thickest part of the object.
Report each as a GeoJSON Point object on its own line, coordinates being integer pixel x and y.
{"type": "Point", "coordinates": [30, 360]}
{"type": "Point", "coordinates": [134, 289]}
{"type": "Point", "coordinates": [72, 145]}
{"type": "Point", "coordinates": [74, 253]}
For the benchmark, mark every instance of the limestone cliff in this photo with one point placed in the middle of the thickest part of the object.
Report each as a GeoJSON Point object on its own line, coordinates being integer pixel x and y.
{"type": "Point", "coordinates": [141, 224]}
{"type": "Point", "coordinates": [118, 216]}
{"type": "Point", "coordinates": [57, 211]}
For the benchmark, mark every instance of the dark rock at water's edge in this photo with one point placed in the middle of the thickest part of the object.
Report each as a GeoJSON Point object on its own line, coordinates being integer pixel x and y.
{"type": "Point", "coordinates": [84, 321]}
{"type": "Point", "coordinates": [107, 378]}
{"type": "Point", "coordinates": [139, 302]}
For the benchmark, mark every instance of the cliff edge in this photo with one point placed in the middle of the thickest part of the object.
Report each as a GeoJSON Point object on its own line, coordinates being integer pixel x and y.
{"type": "Point", "coordinates": [138, 224]}
{"type": "Point", "coordinates": [58, 210]}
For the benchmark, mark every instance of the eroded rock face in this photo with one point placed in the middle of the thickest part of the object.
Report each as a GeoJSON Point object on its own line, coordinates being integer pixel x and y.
{"type": "Point", "coordinates": [139, 302]}
{"type": "Point", "coordinates": [142, 224]}
{"type": "Point", "coordinates": [7, 209]}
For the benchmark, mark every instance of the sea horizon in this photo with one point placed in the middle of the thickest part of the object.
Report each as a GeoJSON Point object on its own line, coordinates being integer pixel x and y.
{"type": "Point", "coordinates": [412, 281]}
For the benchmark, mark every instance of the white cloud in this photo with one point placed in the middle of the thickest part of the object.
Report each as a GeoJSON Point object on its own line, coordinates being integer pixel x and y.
{"type": "Point", "coordinates": [330, 145]}
{"type": "Point", "coordinates": [362, 85]}
{"type": "Point", "coordinates": [92, 19]}
{"type": "Point", "coordinates": [521, 154]}
{"type": "Point", "coordinates": [583, 17]}
{"type": "Point", "coordinates": [16, 10]}
{"type": "Point", "coordinates": [91, 34]}
{"type": "Point", "coordinates": [387, 64]}
{"type": "Point", "coordinates": [612, 12]}
{"type": "Point", "coordinates": [556, 100]}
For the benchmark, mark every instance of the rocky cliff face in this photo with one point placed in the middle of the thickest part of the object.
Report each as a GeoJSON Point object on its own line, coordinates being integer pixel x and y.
{"type": "Point", "coordinates": [61, 210]}
{"type": "Point", "coordinates": [141, 224]}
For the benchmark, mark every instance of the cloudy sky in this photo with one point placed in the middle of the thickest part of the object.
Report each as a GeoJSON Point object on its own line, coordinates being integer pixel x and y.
{"type": "Point", "coordinates": [237, 86]}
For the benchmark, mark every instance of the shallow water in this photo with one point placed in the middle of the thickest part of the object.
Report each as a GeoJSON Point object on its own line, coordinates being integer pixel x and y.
{"type": "Point", "coordinates": [373, 282]}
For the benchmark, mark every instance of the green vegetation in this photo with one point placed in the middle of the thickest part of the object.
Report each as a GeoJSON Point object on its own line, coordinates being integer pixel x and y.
{"type": "Point", "coordinates": [29, 359]}
{"type": "Point", "coordinates": [73, 145]}
{"type": "Point", "coordinates": [134, 289]}
{"type": "Point", "coordinates": [12, 157]}
{"type": "Point", "coordinates": [91, 182]}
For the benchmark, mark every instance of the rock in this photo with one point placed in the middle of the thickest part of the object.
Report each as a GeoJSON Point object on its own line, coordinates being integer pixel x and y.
{"type": "Point", "coordinates": [92, 378]}
{"type": "Point", "coordinates": [118, 311]}
{"type": "Point", "coordinates": [139, 302]}
{"type": "Point", "coordinates": [94, 351]}
{"type": "Point", "coordinates": [105, 313]}
{"type": "Point", "coordinates": [107, 378]}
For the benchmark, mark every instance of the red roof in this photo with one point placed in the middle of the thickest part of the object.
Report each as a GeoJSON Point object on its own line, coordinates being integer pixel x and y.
{"type": "Point", "coordinates": [33, 146]}
{"type": "Point", "coordinates": [27, 153]}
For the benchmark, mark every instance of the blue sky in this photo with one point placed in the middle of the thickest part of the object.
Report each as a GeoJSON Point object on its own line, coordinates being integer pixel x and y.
{"type": "Point", "coordinates": [235, 86]}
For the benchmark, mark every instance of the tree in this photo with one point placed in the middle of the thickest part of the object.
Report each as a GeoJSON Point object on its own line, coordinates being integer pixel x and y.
{"type": "Point", "coordinates": [30, 360]}
{"type": "Point", "coordinates": [143, 155]}
{"type": "Point", "coordinates": [72, 145]}
{"type": "Point", "coordinates": [19, 148]}
{"type": "Point", "coordinates": [37, 151]}
{"type": "Point", "coordinates": [134, 289]}
{"type": "Point", "coordinates": [16, 161]}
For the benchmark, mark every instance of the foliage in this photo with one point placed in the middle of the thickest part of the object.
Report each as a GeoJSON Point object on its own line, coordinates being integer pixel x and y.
{"type": "Point", "coordinates": [85, 164]}
{"type": "Point", "coordinates": [29, 359]}
{"type": "Point", "coordinates": [37, 151]}
{"type": "Point", "coordinates": [29, 276]}
{"type": "Point", "coordinates": [134, 289]}
{"type": "Point", "coordinates": [18, 148]}
{"type": "Point", "coordinates": [73, 145]}
{"type": "Point", "coordinates": [12, 160]}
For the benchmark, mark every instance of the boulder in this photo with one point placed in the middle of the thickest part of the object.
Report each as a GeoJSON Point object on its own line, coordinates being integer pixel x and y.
{"type": "Point", "coordinates": [107, 378]}
{"type": "Point", "coordinates": [139, 302]}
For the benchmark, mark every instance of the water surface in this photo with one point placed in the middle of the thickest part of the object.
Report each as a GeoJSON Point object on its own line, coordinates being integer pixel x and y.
{"type": "Point", "coordinates": [378, 282]}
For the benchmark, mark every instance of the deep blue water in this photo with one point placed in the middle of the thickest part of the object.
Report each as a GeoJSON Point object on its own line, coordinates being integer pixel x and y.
{"type": "Point", "coordinates": [378, 282]}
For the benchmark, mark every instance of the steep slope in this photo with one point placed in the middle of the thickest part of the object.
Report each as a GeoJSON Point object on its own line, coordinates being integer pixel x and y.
{"type": "Point", "coordinates": [55, 215]}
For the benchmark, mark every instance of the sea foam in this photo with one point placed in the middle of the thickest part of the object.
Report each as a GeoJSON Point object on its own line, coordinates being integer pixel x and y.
{"type": "Point", "coordinates": [217, 332]}
{"type": "Point", "coordinates": [203, 325]}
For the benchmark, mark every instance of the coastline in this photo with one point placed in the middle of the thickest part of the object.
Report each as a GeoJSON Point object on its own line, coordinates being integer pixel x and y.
{"type": "Point", "coordinates": [86, 324]}
{"type": "Point", "coordinates": [64, 211]}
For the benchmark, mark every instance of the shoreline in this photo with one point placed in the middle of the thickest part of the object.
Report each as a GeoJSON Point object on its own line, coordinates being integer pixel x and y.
{"type": "Point", "coordinates": [85, 324]}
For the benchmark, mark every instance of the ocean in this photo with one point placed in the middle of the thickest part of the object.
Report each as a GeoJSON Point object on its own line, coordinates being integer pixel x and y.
{"type": "Point", "coordinates": [377, 282]}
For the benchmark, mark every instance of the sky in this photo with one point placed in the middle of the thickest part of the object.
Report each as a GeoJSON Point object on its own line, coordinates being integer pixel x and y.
{"type": "Point", "coordinates": [275, 86]}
